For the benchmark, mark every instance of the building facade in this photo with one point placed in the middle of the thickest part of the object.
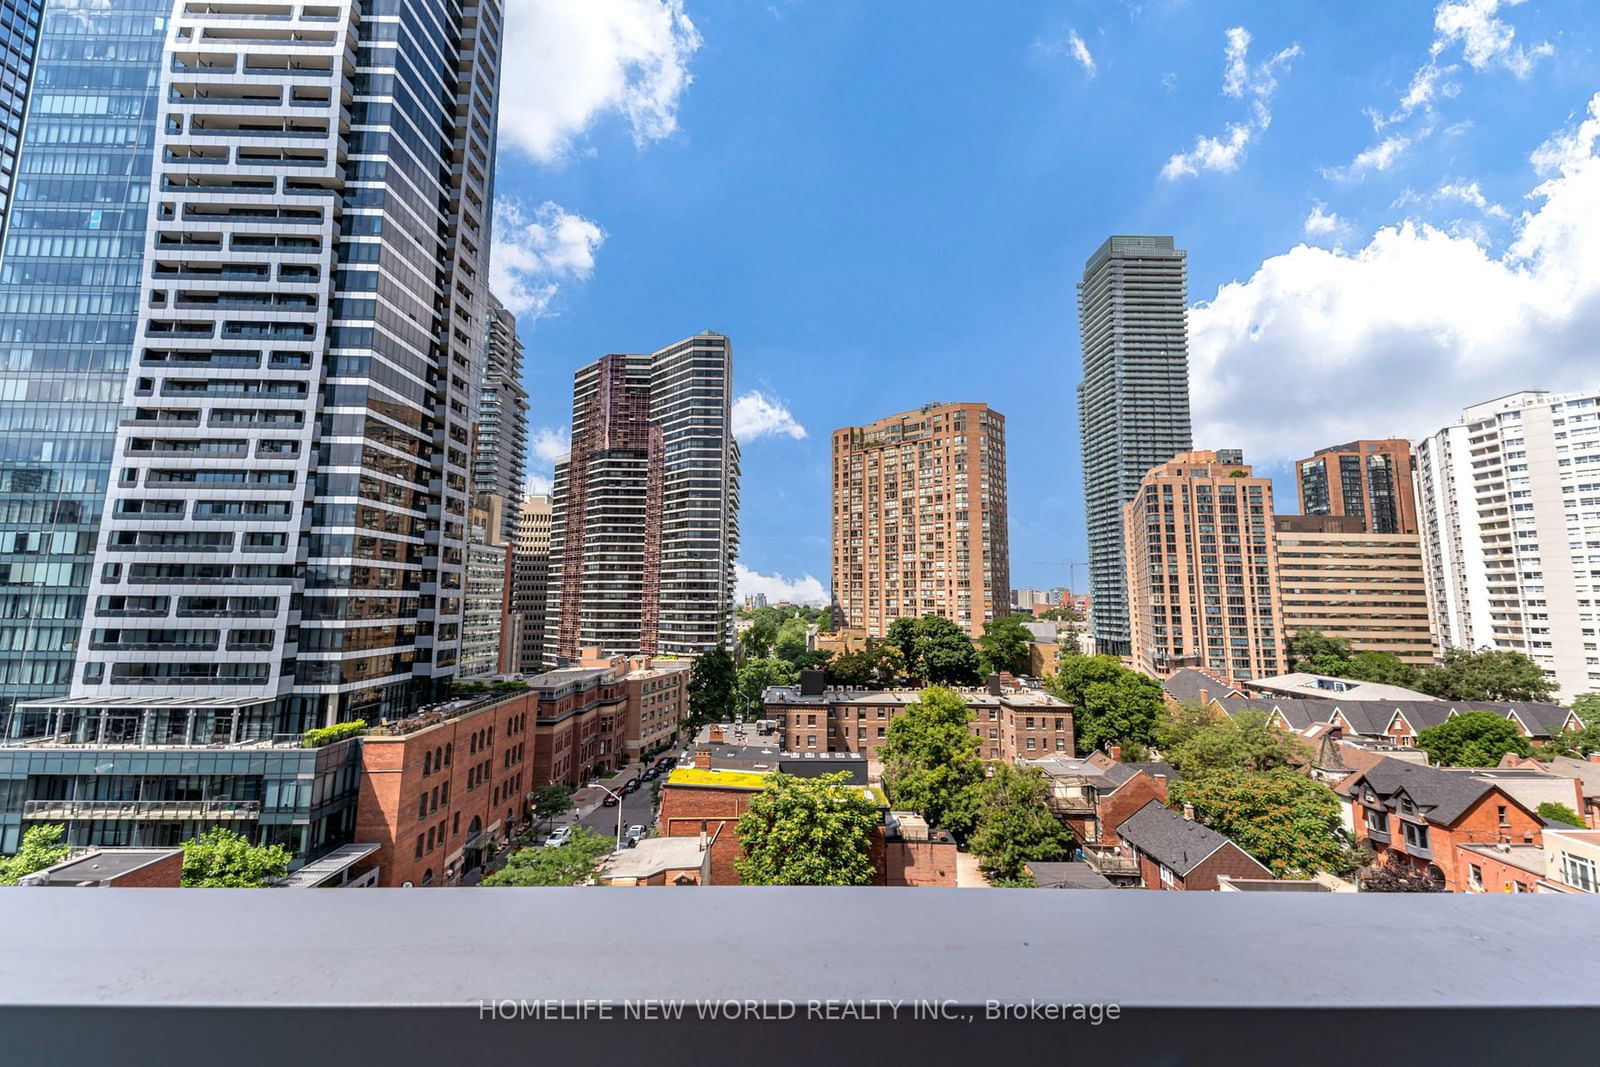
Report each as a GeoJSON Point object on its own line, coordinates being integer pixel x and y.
{"type": "Point", "coordinates": [1510, 511]}
{"type": "Point", "coordinates": [1133, 401]}
{"type": "Point", "coordinates": [486, 608]}
{"type": "Point", "coordinates": [500, 440]}
{"type": "Point", "coordinates": [920, 519]}
{"type": "Point", "coordinates": [1370, 481]}
{"type": "Point", "coordinates": [1365, 588]}
{"type": "Point", "coordinates": [69, 304]}
{"type": "Point", "coordinates": [645, 519]}
{"type": "Point", "coordinates": [287, 520]}
{"type": "Point", "coordinates": [1202, 568]}
{"type": "Point", "coordinates": [530, 576]}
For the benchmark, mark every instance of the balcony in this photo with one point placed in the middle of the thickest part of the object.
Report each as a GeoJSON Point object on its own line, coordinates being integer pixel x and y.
{"type": "Point", "coordinates": [924, 976]}
{"type": "Point", "coordinates": [142, 810]}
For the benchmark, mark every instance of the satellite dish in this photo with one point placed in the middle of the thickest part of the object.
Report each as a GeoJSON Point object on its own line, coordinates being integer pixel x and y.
{"type": "Point", "coordinates": [406, 885]}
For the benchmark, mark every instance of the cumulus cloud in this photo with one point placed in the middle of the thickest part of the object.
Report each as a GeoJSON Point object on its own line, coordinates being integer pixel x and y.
{"type": "Point", "coordinates": [1470, 194]}
{"type": "Point", "coordinates": [537, 485]}
{"type": "Point", "coordinates": [1324, 223]}
{"type": "Point", "coordinates": [1396, 338]}
{"type": "Point", "coordinates": [755, 415]}
{"type": "Point", "coordinates": [534, 251]}
{"type": "Point", "coordinates": [549, 444]}
{"type": "Point", "coordinates": [806, 590]}
{"type": "Point", "coordinates": [1243, 82]}
{"type": "Point", "coordinates": [1485, 40]}
{"type": "Point", "coordinates": [568, 64]}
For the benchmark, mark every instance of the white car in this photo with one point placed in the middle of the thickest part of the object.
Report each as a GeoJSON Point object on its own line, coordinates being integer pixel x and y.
{"type": "Point", "coordinates": [557, 839]}
{"type": "Point", "coordinates": [635, 832]}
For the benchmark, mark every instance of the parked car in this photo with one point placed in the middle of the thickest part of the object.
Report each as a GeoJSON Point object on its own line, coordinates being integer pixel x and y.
{"type": "Point", "coordinates": [631, 785]}
{"type": "Point", "coordinates": [559, 838]}
{"type": "Point", "coordinates": [635, 832]}
{"type": "Point", "coordinates": [609, 801]}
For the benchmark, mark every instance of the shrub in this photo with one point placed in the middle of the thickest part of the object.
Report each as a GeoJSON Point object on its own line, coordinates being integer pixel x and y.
{"type": "Point", "coordinates": [327, 735]}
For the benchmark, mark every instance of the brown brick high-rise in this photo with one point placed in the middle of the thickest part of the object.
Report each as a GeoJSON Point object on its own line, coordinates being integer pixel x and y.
{"type": "Point", "coordinates": [1367, 480]}
{"type": "Point", "coordinates": [919, 518]}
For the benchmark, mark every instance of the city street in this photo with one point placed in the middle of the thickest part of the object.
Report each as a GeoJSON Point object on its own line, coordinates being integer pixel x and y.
{"type": "Point", "coordinates": [637, 807]}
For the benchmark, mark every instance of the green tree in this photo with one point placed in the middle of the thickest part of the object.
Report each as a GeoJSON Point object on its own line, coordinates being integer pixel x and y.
{"type": "Point", "coordinates": [1487, 674]}
{"type": "Point", "coordinates": [808, 831]}
{"type": "Point", "coordinates": [552, 801]}
{"type": "Point", "coordinates": [1015, 824]}
{"type": "Point", "coordinates": [930, 761]}
{"type": "Point", "coordinates": [1287, 821]}
{"type": "Point", "coordinates": [1004, 645]}
{"type": "Point", "coordinates": [41, 847]}
{"type": "Point", "coordinates": [755, 677]}
{"type": "Point", "coordinates": [790, 644]}
{"type": "Point", "coordinates": [1313, 652]}
{"type": "Point", "coordinates": [711, 685]}
{"type": "Point", "coordinates": [1474, 739]}
{"type": "Point", "coordinates": [1313, 646]}
{"type": "Point", "coordinates": [1587, 706]}
{"type": "Point", "coordinates": [877, 666]}
{"type": "Point", "coordinates": [572, 863]}
{"type": "Point", "coordinates": [758, 640]}
{"type": "Point", "coordinates": [936, 650]}
{"type": "Point", "coordinates": [1059, 614]}
{"type": "Point", "coordinates": [1246, 741]}
{"type": "Point", "coordinates": [1550, 811]}
{"type": "Point", "coordinates": [1110, 704]}
{"type": "Point", "coordinates": [1580, 744]}
{"type": "Point", "coordinates": [222, 859]}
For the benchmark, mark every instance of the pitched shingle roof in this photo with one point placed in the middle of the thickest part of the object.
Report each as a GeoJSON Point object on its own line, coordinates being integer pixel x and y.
{"type": "Point", "coordinates": [1167, 837]}
{"type": "Point", "coordinates": [1440, 795]}
{"type": "Point", "coordinates": [1067, 876]}
{"type": "Point", "coordinates": [1184, 686]}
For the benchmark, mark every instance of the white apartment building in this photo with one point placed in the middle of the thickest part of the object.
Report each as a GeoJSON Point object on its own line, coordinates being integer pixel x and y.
{"type": "Point", "coordinates": [286, 523]}
{"type": "Point", "coordinates": [1509, 498]}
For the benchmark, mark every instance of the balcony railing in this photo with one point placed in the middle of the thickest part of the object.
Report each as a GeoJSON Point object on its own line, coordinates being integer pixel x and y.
{"type": "Point", "coordinates": [141, 810]}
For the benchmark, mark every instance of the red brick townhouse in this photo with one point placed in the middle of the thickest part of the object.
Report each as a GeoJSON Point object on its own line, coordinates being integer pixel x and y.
{"type": "Point", "coordinates": [1419, 815]}
{"type": "Point", "coordinates": [1175, 852]}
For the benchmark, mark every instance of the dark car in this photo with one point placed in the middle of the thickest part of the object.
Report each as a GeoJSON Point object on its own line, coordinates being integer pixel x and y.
{"type": "Point", "coordinates": [609, 802]}
{"type": "Point", "coordinates": [650, 775]}
{"type": "Point", "coordinates": [632, 785]}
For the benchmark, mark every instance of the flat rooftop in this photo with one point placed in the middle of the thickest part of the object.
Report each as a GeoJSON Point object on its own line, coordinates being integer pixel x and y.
{"type": "Point", "coordinates": [101, 865]}
{"type": "Point", "coordinates": [326, 867]}
{"type": "Point", "coordinates": [654, 855]}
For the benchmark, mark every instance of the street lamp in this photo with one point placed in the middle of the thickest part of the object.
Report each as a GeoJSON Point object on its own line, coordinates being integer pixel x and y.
{"type": "Point", "coordinates": [618, 796]}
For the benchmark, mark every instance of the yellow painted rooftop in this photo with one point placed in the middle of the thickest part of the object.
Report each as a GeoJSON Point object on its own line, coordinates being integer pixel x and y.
{"type": "Point", "coordinates": [716, 779]}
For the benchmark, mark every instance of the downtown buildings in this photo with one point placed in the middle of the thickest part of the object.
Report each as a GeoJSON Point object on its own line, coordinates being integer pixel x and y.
{"type": "Point", "coordinates": [920, 519]}
{"type": "Point", "coordinates": [1202, 568]}
{"type": "Point", "coordinates": [645, 516]}
{"type": "Point", "coordinates": [530, 578]}
{"type": "Point", "coordinates": [1133, 402]}
{"type": "Point", "coordinates": [1370, 481]}
{"type": "Point", "coordinates": [1509, 497]}
{"type": "Point", "coordinates": [300, 332]}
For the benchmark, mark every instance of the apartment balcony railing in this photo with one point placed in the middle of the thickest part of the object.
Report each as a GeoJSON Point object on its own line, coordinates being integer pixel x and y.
{"type": "Point", "coordinates": [915, 976]}
{"type": "Point", "coordinates": [142, 810]}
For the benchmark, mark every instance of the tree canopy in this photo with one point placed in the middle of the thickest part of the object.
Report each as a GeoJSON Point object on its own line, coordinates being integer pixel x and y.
{"type": "Point", "coordinates": [1199, 742]}
{"type": "Point", "coordinates": [877, 666]}
{"type": "Point", "coordinates": [1110, 704]}
{"type": "Point", "coordinates": [930, 761]}
{"type": "Point", "coordinates": [754, 677]}
{"type": "Point", "coordinates": [936, 650]}
{"type": "Point", "coordinates": [1473, 739]}
{"type": "Point", "coordinates": [222, 859]}
{"type": "Point", "coordinates": [1287, 821]}
{"type": "Point", "coordinates": [808, 831]}
{"type": "Point", "coordinates": [572, 863]}
{"type": "Point", "coordinates": [1587, 706]}
{"type": "Point", "coordinates": [1004, 645]}
{"type": "Point", "coordinates": [1550, 811]}
{"type": "Point", "coordinates": [1015, 823]}
{"type": "Point", "coordinates": [711, 685]}
{"type": "Point", "coordinates": [1578, 743]}
{"type": "Point", "coordinates": [1313, 652]}
{"type": "Point", "coordinates": [1487, 674]}
{"type": "Point", "coordinates": [41, 847]}
{"type": "Point", "coordinates": [552, 800]}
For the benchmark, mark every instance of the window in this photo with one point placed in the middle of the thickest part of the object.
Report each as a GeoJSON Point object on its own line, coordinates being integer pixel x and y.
{"type": "Point", "coordinates": [427, 764]}
{"type": "Point", "coordinates": [1475, 876]}
{"type": "Point", "coordinates": [1167, 877]}
{"type": "Point", "coordinates": [1416, 837]}
{"type": "Point", "coordinates": [419, 846]}
{"type": "Point", "coordinates": [422, 806]}
{"type": "Point", "coordinates": [1377, 822]}
{"type": "Point", "coordinates": [1504, 821]}
{"type": "Point", "coordinates": [1579, 872]}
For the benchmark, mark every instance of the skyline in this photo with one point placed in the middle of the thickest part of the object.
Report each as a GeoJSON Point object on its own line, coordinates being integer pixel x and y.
{"type": "Point", "coordinates": [789, 147]}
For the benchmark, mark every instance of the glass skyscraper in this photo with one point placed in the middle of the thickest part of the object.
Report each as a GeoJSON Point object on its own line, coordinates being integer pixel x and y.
{"type": "Point", "coordinates": [1133, 402]}
{"type": "Point", "coordinates": [76, 190]}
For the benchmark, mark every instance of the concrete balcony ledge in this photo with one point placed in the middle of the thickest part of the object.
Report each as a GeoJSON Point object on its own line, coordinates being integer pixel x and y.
{"type": "Point", "coordinates": [729, 975]}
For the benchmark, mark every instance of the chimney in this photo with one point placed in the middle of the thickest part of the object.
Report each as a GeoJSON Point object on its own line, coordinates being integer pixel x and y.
{"type": "Point", "coordinates": [1115, 752]}
{"type": "Point", "coordinates": [1205, 698]}
{"type": "Point", "coordinates": [1161, 787]}
{"type": "Point", "coordinates": [702, 757]}
{"type": "Point", "coordinates": [813, 682]}
{"type": "Point", "coordinates": [715, 734]}
{"type": "Point", "coordinates": [1188, 812]}
{"type": "Point", "coordinates": [995, 688]}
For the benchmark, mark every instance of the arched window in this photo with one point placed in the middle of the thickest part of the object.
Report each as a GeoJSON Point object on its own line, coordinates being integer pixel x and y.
{"type": "Point", "coordinates": [447, 751]}
{"type": "Point", "coordinates": [438, 757]}
{"type": "Point", "coordinates": [427, 876]}
{"type": "Point", "coordinates": [427, 764]}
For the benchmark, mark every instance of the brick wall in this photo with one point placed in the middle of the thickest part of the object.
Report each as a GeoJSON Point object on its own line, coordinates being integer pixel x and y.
{"type": "Point", "coordinates": [920, 863]}
{"type": "Point", "coordinates": [1114, 808]}
{"type": "Point", "coordinates": [164, 873]}
{"type": "Point", "coordinates": [1498, 875]}
{"type": "Point", "coordinates": [438, 783]}
{"type": "Point", "coordinates": [1480, 824]}
{"type": "Point", "coordinates": [687, 810]}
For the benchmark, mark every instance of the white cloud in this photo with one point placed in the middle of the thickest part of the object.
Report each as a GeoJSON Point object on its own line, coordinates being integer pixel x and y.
{"type": "Point", "coordinates": [1080, 52]}
{"type": "Point", "coordinates": [755, 414]}
{"type": "Point", "coordinates": [1324, 223]}
{"type": "Point", "coordinates": [806, 590]}
{"type": "Point", "coordinates": [537, 485]}
{"type": "Point", "coordinates": [1395, 339]}
{"type": "Point", "coordinates": [1240, 81]}
{"type": "Point", "coordinates": [550, 445]}
{"type": "Point", "coordinates": [533, 252]}
{"type": "Point", "coordinates": [1485, 41]}
{"type": "Point", "coordinates": [1379, 157]}
{"type": "Point", "coordinates": [569, 62]}
{"type": "Point", "coordinates": [1469, 193]}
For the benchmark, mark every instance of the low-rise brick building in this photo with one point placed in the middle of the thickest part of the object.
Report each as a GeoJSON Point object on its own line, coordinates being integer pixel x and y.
{"type": "Point", "coordinates": [1419, 815]}
{"type": "Point", "coordinates": [114, 868]}
{"type": "Point", "coordinates": [1175, 852]}
{"type": "Point", "coordinates": [437, 788]}
{"type": "Point", "coordinates": [1011, 722]}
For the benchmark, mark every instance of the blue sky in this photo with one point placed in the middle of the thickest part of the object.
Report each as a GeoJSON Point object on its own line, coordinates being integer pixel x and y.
{"type": "Point", "coordinates": [1390, 212]}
